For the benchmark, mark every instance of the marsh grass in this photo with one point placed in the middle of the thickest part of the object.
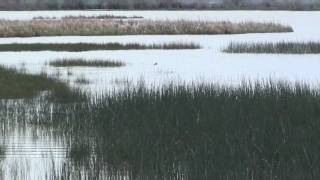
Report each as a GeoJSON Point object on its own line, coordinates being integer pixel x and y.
{"type": "Point", "coordinates": [201, 131]}
{"type": "Point", "coordinates": [87, 27]}
{"type": "Point", "coordinates": [85, 63]}
{"type": "Point", "coordinates": [275, 48]}
{"type": "Point", "coordinates": [107, 16]}
{"type": "Point", "coordinates": [44, 18]}
{"type": "Point", "coordinates": [263, 130]}
{"type": "Point", "coordinates": [79, 153]}
{"type": "Point", "coordinates": [15, 84]}
{"type": "Point", "coordinates": [78, 47]}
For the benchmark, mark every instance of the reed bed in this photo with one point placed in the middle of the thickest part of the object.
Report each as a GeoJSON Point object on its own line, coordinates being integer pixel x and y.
{"type": "Point", "coordinates": [275, 48]}
{"type": "Point", "coordinates": [106, 16]}
{"type": "Point", "coordinates": [202, 132]}
{"type": "Point", "coordinates": [85, 27]}
{"type": "Point", "coordinates": [85, 63]}
{"type": "Point", "coordinates": [78, 47]}
{"type": "Point", "coordinates": [17, 84]}
{"type": "Point", "coordinates": [264, 130]}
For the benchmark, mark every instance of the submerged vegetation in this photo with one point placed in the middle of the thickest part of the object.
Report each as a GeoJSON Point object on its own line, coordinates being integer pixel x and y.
{"type": "Point", "coordinates": [85, 27]}
{"type": "Point", "coordinates": [201, 131]}
{"type": "Point", "coordinates": [85, 63]}
{"type": "Point", "coordinates": [78, 47]}
{"type": "Point", "coordinates": [17, 84]}
{"type": "Point", "coordinates": [275, 48]}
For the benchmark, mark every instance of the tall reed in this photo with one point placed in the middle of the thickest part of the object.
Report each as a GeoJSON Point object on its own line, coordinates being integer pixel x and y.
{"type": "Point", "coordinates": [264, 130]}
{"type": "Point", "coordinates": [85, 27]}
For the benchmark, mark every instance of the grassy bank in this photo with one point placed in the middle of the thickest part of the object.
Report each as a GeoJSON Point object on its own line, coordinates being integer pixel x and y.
{"type": "Point", "coordinates": [83, 27]}
{"type": "Point", "coordinates": [275, 48]}
{"type": "Point", "coordinates": [256, 131]}
{"type": "Point", "coordinates": [78, 47]}
{"type": "Point", "coordinates": [15, 84]}
{"type": "Point", "coordinates": [85, 63]}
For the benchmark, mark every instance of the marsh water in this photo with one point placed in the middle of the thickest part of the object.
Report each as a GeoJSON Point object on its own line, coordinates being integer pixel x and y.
{"type": "Point", "coordinates": [30, 152]}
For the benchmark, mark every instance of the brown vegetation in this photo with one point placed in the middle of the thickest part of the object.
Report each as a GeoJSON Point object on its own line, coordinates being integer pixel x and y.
{"type": "Point", "coordinates": [85, 27]}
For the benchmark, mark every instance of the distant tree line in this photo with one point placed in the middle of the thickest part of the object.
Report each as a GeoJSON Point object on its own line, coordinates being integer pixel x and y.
{"type": "Point", "coordinates": [159, 4]}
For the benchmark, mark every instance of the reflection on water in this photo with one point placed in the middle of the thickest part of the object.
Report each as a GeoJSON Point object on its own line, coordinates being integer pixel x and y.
{"type": "Point", "coordinates": [30, 149]}
{"type": "Point", "coordinates": [42, 140]}
{"type": "Point", "coordinates": [27, 151]}
{"type": "Point", "coordinates": [30, 153]}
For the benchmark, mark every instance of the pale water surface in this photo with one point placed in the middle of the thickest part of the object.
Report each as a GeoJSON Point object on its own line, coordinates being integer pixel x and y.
{"type": "Point", "coordinates": [29, 150]}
